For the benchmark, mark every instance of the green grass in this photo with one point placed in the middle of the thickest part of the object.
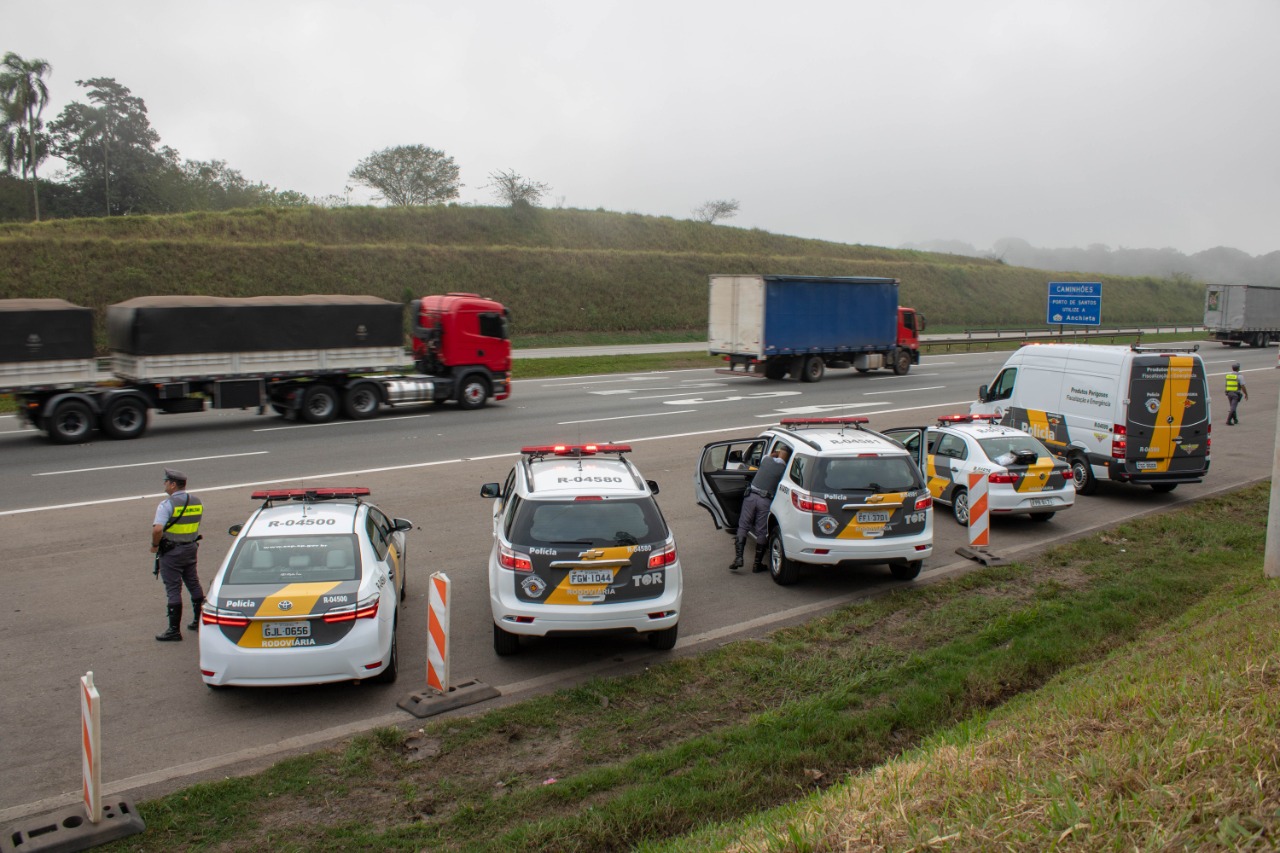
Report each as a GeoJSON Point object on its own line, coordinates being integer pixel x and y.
{"type": "Point", "coordinates": [965, 714]}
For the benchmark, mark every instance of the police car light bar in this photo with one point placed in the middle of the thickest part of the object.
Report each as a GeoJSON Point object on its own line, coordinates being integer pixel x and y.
{"type": "Point", "coordinates": [323, 494]}
{"type": "Point", "coordinates": [574, 449]}
{"type": "Point", "coordinates": [850, 420]}
{"type": "Point", "coordinates": [966, 419]}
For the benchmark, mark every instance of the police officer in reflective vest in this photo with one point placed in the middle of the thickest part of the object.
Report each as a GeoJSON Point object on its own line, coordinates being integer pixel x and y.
{"type": "Point", "coordinates": [1235, 389]}
{"type": "Point", "coordinates": [755, 506]}
{"type": "Point", "coordinates": [175, 537]}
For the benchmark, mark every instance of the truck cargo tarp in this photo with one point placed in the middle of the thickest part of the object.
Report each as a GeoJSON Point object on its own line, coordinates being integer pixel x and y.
{"type": "Point", "coordinates": [44, 330]}
{"type": "Point", "coordinates": [169, 325]}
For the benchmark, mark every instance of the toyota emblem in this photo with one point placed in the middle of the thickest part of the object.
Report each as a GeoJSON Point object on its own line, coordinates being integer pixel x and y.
{"type": "Point", "coordinates": [285, 605]}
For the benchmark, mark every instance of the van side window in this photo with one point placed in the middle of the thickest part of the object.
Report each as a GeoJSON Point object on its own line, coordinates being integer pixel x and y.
{"type": "Point", "coordinates": [1003, 387]}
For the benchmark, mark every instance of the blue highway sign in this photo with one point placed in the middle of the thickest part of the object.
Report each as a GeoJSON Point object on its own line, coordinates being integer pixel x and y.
{"type": "Point", "coordinates": [1074, 303]}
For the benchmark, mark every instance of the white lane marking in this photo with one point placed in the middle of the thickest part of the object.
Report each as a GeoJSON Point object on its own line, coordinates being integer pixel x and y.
{"type": "Point", "coordinates": [608, 381]}
{"type": "Point", "coordinates": [145, 464]}
{"type": "Point", "coordinates": [734, 398]}
{"type": "Point", "coordinates": [338, 423]}
{"type": "Point", "coordinates": [665, 396]}
{"type": "Point", "coordinates": [815, 409]}
{"type": "Point", "coordinates": [905, 390]}
{"type": "Point", "coordinates": [682, 385]}
{"type": "Point", "coordinates": [626, 417]}
{"type": "Point", "coordinates": [809, 409]}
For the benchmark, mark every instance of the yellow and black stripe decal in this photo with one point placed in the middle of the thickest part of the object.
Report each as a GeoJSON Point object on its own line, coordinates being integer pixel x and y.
{"type": "Point", "coordinates": [302, 598]}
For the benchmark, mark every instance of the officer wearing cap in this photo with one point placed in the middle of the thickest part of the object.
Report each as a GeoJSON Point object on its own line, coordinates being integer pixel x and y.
{"type": "Point", "coordinates": [1235, 389]}
{"type": "Point", "coordinates": [175, 538]}
{"type": "Point", "coordinates": [754, 516]}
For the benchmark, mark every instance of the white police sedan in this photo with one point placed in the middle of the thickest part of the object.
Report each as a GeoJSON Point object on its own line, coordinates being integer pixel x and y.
{"type": "Point", "coordinates": [309, 593]}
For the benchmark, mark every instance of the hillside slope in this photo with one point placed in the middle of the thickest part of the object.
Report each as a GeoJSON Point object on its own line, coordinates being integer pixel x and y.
{"type": "Point", "coordinates": [558, 270]}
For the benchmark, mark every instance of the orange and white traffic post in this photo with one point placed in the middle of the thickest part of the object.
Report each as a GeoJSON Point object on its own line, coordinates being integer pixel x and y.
{"type": "Point", "coordinates": [979, 516]}
{"type": "Point", "coordinates": [91, 746]}
{"type": "Point", "coordinates": [438, 633]}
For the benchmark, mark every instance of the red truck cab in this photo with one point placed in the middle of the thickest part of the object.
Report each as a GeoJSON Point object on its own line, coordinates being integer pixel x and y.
{"type": "Point", "coordinates": [910, 325]}
{"type": "Point", "coordinates": [459, 333]}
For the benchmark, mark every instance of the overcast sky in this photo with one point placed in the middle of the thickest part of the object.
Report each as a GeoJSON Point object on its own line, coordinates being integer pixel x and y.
{"type": "Point", "coordinates": [1134, 123]}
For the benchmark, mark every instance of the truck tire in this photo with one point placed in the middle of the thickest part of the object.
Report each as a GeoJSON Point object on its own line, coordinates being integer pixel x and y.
{"type": "Point", "coordinates": [125, 418]}
{"type": "Point", "coordinates": [473, 392]}
{"type": "Point", "coordinates": [783, 570]}
{"type": "Point", "coordinates": [360, 402]}
{"type": "Point", "coordinates": [902, 362]}
{"type": "Point", "coordinates": [71, 421]}
{"type": "Point", "coordinates": [1259, 340]}
{"type": "Point", "coordinates": [1082, 475]}
{"type": "Point", "coordinates": [775, 369]}
{"type": "Point", "coordinates": [319, 404]}
{"type": "Point", "coordinates": [813, 369]}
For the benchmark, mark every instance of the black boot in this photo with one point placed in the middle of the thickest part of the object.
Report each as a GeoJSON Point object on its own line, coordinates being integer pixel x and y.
{"type": "Point", "coordinates": [196, 604]}
{"type": "Point", "coordinates": [757, 562]}
{"type": "Point", "coordinates": [175, 619]}
{"type": "Point", "coordinates": [739, 545]}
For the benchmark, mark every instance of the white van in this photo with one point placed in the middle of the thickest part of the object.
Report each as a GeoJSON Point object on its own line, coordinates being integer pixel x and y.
{"type": "Point", "coordinates": [1131, 414]}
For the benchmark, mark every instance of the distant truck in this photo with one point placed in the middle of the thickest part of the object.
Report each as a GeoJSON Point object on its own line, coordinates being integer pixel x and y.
{"type": "Point", "coordinates": [1238, 314]}
{"type": "Point", "coordinates": [774, 326]}
{"type": "Point", "coordinates": [307, 357]}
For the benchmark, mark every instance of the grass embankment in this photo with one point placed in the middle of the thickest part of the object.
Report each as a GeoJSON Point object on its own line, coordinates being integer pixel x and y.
{"type": "Point", "coordinates": [1118, 692]}
{"type": "Point", "coordinates": [559, 271]}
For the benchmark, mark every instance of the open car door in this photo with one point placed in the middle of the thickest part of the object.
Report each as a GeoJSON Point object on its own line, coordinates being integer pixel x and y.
{"type": "Point", "coordinates": [724, 473]}
{"type": "Point", "coordinates": [913, 439]}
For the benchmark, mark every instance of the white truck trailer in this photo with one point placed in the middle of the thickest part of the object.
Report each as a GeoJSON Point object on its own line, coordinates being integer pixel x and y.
{"type": "Point", "coordinates": [1238, 314]}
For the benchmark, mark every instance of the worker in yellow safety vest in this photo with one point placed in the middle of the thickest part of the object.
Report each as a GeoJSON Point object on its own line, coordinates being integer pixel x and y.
{"type": "Point", "coordinates": [1235, 390]}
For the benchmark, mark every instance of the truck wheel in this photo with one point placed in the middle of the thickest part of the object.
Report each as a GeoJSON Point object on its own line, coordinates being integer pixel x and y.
{"type": "Point", "coordinates": [474, 392]}
{"type": "Point", "coordinates": [960, 507]}
{"type": "Point", "coordinates": [360, 402]}
{"type": "Point", "coordinates": [775, 369]}
{"type": "Point", "coordinates": [1082, 476]}
{"type": "Point", "coordinates": [71, 422]}
{"type": "Point", "coordinates": [125, 419]}
{"type": "Point", "coordinates": [319, 404]}
{"type": "Point", "coordinates": [504, 642]}
{"type": "Point", "coordinates": [1259, 340]}
{"type": "Point", "coordinates": [664, 641]}
{"type": "Point", "coordinates": [783, 570]}
{"type": "Point", "coordinates": [813, 369]}
{"type": "Point", "coordinates": [902, 362]}
{"type": "Point", "coordinates": [906, 571]}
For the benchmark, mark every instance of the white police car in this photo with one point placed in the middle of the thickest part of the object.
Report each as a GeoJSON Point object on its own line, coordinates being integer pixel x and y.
{"type": "Point", "coordinates": [1023, 476]}
{"type": "Point", "coordinates": [309, 593]}
{"type": "Point", "coordinates": [580, 548]}
{"type": "Point", "coordinates": [849, 494]}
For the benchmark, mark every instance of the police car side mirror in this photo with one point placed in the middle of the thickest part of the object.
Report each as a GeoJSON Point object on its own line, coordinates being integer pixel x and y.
{"type": "Point", "coordinates": [653, 486]}
{"type": "Point", "coordinates": [982, 394]}
{"type": "Point", "coordinates": [402, 524]}
{"type": "Point", "coordinates": [491, 490]}
{"type": "Point", "coordinates": [234, 530]}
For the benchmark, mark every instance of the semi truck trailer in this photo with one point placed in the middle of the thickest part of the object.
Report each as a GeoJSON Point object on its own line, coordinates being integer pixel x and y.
{"type": "Point", "coordinates": [775, 326]}
{"type": "Point", "coordinates": [307, 357]}
{"type": "Point", "coordinates": [1238, 314]}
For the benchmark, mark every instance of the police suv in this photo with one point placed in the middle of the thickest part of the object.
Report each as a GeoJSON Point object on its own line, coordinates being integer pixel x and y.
{"type": "Point", "coordinates": [309, 593]}
{"type": "Point", "coordinates": [849, 494]}
{"type": "Point", "coordinates": [580, 548]}
{"type": "Point", "coordinates": [1023, 476]}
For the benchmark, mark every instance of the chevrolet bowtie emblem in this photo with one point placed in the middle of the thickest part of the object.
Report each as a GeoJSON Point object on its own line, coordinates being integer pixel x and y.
{"type": "Point", "coordinates": [594, 554]}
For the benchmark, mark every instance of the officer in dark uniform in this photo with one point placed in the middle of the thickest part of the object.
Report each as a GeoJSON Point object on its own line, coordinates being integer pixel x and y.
{"type": "Point", "coordinates": [755, 506]}
{"type": "Point", "coordinates": [175, 537]}
{"type": "Point", "coordinates": [1235, 390]}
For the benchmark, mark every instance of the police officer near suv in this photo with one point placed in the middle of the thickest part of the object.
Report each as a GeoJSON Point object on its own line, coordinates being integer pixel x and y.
{"type": "Point", "coordinates": [755, 506]}
{"type": "Point", "coordinates": [175, 538]}
{"type": "Point", "coordinates": [1235, 389]}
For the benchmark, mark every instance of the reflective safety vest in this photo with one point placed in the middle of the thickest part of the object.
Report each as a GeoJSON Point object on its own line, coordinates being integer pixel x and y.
{"type": "Point", "coordinates": [184, 518]}
{"type": "Point", "coordinates": [1233, 383]}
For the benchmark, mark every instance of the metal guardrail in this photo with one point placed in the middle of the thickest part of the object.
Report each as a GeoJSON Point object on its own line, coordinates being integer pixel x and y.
{"type": "Point", "coordinates": [970, 337]}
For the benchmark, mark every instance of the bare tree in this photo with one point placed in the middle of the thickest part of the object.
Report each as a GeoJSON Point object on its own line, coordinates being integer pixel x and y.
{"type": "Point", "coordinates": [713, 210]}
{"type": "Point", "coordinates": [408, 175]}
{"type": "Point", "coordinates": [515, 189]}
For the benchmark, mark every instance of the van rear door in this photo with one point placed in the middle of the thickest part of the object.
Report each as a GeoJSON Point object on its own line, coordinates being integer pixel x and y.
{"type": "Point", "coordinates": [1167, 427]}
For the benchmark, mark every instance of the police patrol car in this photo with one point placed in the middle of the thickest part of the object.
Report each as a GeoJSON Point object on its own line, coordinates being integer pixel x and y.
{"type": "Point", "coordinates": [1024, 477]}
{"type": "Point", "coordinates": [580, 547]}
{"type": "Point", "coordinates": [848, 494]}
{"type": "Point", "coordinates": [309, 593]}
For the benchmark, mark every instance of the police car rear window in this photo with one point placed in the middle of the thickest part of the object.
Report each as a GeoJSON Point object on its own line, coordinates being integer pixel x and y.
{"type": "Point", "coordinates": [295, 559]}
{"type": "Point", "coordinates": [1019, 447]}
{"type": "Point", "coordinates": [588, 522]}
{"type": "Point", "coordinates": [867, 473]}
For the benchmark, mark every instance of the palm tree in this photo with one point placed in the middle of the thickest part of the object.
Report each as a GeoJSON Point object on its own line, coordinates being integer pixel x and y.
{"type": "Point", "coordinates": [23, 97]}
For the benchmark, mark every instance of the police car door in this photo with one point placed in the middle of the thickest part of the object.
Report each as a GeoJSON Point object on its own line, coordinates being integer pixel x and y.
{"type": "Point", "coordinates": [724, 473]}
{"type": "Point", "coordinates": [913, 439]}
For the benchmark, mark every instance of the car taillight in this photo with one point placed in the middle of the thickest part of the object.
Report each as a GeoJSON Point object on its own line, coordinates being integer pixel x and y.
{"type": "Point", "coordinates": [807, 503]}
{"type": "Point", "coordinates": [514, 560]}
{"type": "Point", "coordinates": [1069, 474]}
{"type": "Point", "coordinates": [366, 608]}
{"type": "Point", "coordinates": [1006, 478]}
{"type": "Point", "coordinates": [924, 502]}
{"type": "Point", "coordinates": [1119, 442]}
{"type": "Point", "coordinates": [663, 558]}
{"type": "Point", "coordinates": [210, 615]}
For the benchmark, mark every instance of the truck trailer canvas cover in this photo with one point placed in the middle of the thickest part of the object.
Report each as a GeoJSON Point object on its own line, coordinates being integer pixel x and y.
{"type": "Point", "coordinates": [44, 330]}
{"type": "Point", "coordinates": [169, 325]}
